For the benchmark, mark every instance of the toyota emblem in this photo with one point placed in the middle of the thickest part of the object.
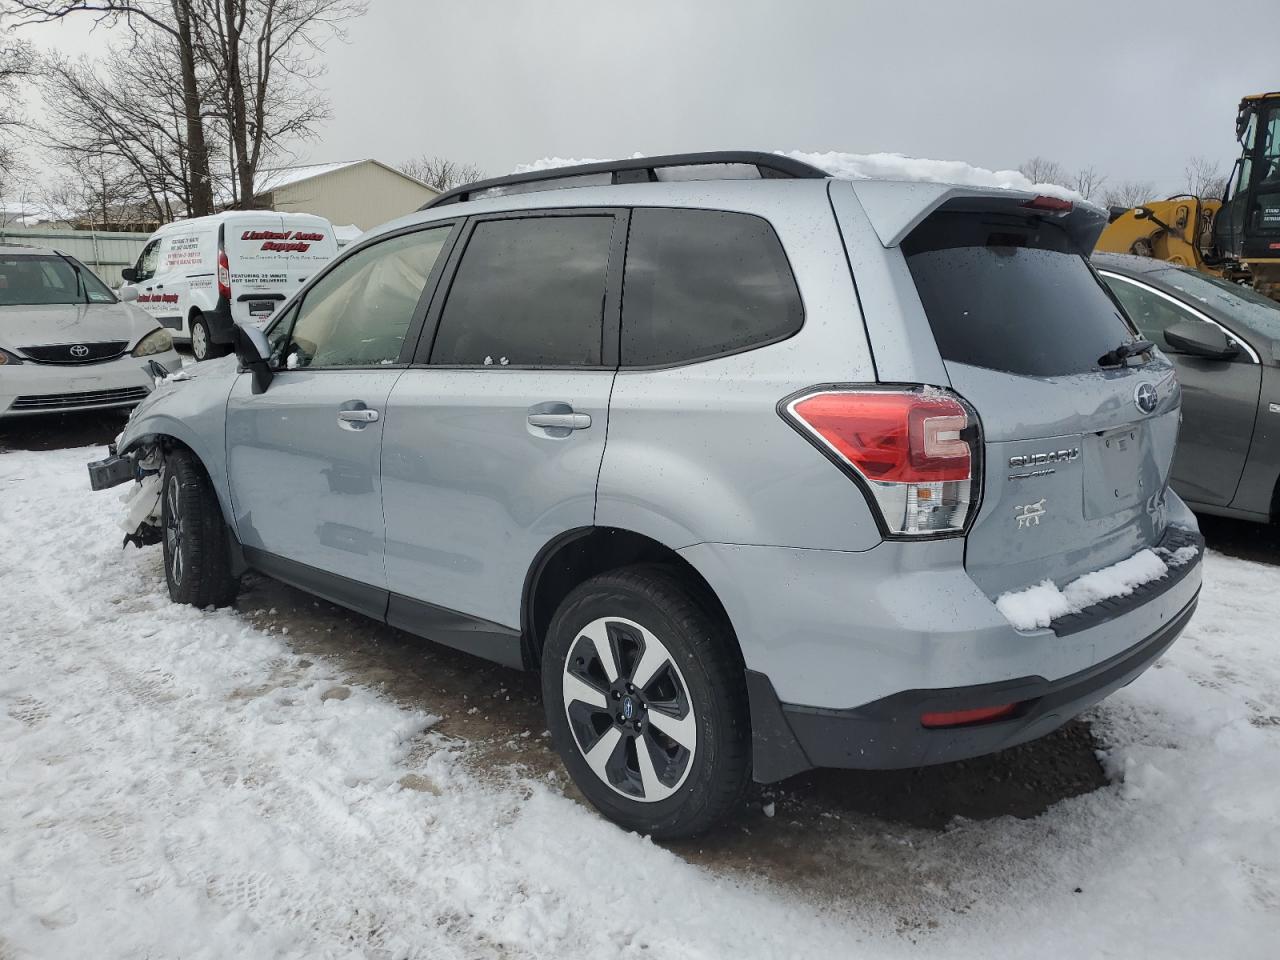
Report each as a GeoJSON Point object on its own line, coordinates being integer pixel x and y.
{"type": "Point", "coordinates": [1145, 398]}
{"type": "Point", "coordinates": [79, 351]}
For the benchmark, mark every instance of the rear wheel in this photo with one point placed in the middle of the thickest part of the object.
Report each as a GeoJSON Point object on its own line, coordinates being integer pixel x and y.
{"type": "Point", "coordinates": [646, 702]}
{"type": "Point", "coordinates": [197, 554]}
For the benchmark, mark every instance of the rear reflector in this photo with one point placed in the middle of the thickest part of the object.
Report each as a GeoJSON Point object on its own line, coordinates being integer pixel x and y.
{"type": "Point", "coordinates": [1050, 204]}
{"type": "Point", "coordinates": [961, 718]}
{"type": "Point", "coordinates": [913, 449]}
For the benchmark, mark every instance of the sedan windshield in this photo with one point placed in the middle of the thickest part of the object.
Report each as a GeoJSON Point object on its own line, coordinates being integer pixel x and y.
{"type": "Point", "coordinates": [37, 279]}
{"type": "Point", "coordinates": [1259, 314]}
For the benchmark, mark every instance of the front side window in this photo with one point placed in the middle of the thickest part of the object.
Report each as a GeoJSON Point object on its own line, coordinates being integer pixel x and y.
{"type": "Point", "coordinates": [27, 279]}
{"type": "Point", "coordinates": [148, 260]}
{"type": "Point", "coordinates": [528, 292]}
{"type": "Point", "coordinates": [1152, 313]}
{"type": "Point", "coordinates": [358, 313]}
{"type": "Point", "coordinates": [701, 283]}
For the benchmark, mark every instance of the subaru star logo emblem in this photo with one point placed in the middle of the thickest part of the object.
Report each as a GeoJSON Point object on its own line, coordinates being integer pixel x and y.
{"type": "Point", "coordinates": [79, 351]}
{"type": "Point", "coordinates": [628, 708]}
{"type": "Point", "coordinates": [1145, 398]}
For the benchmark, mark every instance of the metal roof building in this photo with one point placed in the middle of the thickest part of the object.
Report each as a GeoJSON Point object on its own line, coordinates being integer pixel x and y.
{"type": "Point", "coordinates": [363, 192]}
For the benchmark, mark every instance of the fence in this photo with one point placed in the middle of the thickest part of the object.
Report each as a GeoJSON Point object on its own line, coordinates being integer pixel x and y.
{"type": "Point", "coordinates": [106, 254]}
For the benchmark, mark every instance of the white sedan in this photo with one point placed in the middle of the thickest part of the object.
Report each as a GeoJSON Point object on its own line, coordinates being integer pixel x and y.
{"type": "Point", "coordinates": [68, 343]}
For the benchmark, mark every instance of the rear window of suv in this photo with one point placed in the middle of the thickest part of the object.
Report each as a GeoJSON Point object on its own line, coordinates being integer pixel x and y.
{"type": "Point", "coordinates": [704, 283]}
{"type": "Point", "coordinates": [1012, 293]}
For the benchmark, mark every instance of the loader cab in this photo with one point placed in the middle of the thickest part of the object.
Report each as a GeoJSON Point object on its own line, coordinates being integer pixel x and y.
{"type": "Point", "coordinates": [1248, 227]}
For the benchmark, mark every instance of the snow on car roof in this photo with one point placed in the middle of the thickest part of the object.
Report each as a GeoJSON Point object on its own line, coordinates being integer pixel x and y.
{"type": "Point", "coordinates": [882, 166]}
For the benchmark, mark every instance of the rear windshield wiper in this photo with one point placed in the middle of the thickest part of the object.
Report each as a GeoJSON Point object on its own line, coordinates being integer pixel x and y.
{"type": "Point", "coordinates": [1131, 348]}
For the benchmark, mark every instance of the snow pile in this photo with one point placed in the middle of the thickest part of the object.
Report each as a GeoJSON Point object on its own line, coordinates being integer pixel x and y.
{"type": "Point", "coordinates": [1040, 605]}
{"type": "Point", "coordinates": [179, 783]}
{"type": "Point", "coordinates": [881, 166]}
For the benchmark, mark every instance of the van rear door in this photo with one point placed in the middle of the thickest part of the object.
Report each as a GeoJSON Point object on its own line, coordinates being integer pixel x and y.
{"type": "Point", "coordinates": [1078, 440]}
{"type": "Point", "coordinates": [269, 256]}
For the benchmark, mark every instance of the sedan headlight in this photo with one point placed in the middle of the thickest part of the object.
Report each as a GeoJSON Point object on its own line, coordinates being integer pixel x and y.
{"type": "Point", "coordinates": [157, 341]}
{"type": "Point", "coordinates": [6, 358]}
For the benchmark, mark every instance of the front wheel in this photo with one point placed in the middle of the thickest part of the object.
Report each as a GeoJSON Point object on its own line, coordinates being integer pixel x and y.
{"type": "Point", "coordinates": [202, 345]}
{"type": "Point", "coordinates": [646, 702]}
{"type": "Point", "coordinates": [197, 550]}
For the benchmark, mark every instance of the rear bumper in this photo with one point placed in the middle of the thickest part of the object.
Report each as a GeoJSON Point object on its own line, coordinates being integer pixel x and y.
{"type": "Point", "coordinates": [35, 388]}
{"type": "Point", "coordinates": [843, 647]}
{"type": "Point", "coordinates": [888, 734]}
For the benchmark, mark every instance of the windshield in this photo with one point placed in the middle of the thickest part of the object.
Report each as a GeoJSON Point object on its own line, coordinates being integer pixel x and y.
{"type": "Point", "coordinates": [37, 279]}
{"type": "Point", "coordinates": [1259, 314]}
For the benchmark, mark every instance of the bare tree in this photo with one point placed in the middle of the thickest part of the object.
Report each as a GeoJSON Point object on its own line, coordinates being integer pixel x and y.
{"type": "Point", "coordinates": [440, 173]}
{"type": "Point", "coordinates": [1040, 170]}
{"type": "Point", "coordinates": [1205, 179]}
{"type": "Point", "coordinates": [129, 119]}
{"type": "Point", "coordinates": [1087, 181]}
{"type": "Point", "coordinates": [264, 60]}
{"type": "Point", "coordinates": [17, 63]}
{"type": "Point", "coordinates": [178, 21]}
{"type": "Point", "coordinates": [1129, 193]}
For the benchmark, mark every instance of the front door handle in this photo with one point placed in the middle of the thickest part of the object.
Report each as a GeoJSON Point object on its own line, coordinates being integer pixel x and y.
{"type": "Point", "coordinates": [356, 415]}
{"type": "Point", "coordinates": [562, 421]}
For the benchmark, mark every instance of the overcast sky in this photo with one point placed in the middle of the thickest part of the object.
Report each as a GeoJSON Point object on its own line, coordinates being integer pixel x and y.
{"type": "Point", "coordinates": [1133, 88]}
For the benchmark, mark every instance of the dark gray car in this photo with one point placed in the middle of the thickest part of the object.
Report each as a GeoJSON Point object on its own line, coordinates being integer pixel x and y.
{"type": "Point", "coordinates": [1224, 340]}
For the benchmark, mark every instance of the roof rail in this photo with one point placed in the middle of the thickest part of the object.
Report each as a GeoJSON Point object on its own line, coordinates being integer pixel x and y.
{"type": "Point", "coordinates": [771, 166]}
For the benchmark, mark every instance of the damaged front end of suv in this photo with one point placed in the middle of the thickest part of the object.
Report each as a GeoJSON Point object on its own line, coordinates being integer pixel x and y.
{"type": "Point", "coordinates": [181, 412]}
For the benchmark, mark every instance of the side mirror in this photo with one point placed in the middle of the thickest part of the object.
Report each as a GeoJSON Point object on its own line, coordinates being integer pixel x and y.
{"type": "Point", "coordinates": [1201, 339]}
{"type": "Point", "coordinates": [130, 274]}
{"type": "Point", "coordinates": [127, 294]}
{"type": "Point", "coordinates": [254, 354]}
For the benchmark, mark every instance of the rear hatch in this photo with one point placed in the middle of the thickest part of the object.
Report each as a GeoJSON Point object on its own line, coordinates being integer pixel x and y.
{"type": "Point", "coordinates": [1078, 444]}
{"type": "Point", "coordinates": [270, 255]}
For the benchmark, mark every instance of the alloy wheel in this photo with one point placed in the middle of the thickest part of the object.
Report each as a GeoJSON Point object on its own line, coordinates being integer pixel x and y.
{"type": "Point", "coordinates": [174, 531]}
{"type": "Point", "coordinates": [629, 709]}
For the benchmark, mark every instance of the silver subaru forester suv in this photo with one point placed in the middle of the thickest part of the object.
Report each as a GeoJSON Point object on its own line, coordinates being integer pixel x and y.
{"type": "Point", "coordinates": [743, 458]}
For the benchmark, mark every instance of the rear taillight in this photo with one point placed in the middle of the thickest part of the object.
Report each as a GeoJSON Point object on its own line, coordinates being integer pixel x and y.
{"type": "Point", "coordinates": [224, 275]}
{"type": "Point", "coordinates": [915, 451]}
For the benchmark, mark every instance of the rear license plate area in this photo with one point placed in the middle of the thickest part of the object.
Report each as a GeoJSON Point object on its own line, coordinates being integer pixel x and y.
{"type": "Point", "coordinates": [261, 308]}
{"type": "Point", "coordinates": [1119, 471]}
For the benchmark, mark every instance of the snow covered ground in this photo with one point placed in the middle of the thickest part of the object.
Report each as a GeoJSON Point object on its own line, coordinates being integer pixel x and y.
{"type": "Point", "coordinates": [182, 783]}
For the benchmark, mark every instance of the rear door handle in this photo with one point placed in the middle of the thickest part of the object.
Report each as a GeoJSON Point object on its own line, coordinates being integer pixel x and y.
{"type": "Point", "coordinates": [563, 421]}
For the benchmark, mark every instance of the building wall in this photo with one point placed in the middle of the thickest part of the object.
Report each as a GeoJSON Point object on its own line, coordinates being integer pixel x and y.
{"type": "Point", "coordinates": [365, 194]}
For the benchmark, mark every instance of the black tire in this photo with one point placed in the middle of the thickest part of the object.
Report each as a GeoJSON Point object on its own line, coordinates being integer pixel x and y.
{"type": "Point", "coordinates": [202, 345]}
{"type": "Point", "coordinates": [197, 554]}
{"type": "Point", "coordinates": [694, 788]}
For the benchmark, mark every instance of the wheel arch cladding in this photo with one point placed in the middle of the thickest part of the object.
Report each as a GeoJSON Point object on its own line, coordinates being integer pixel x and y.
{"type": "Point", "coordinates": [580, 554]}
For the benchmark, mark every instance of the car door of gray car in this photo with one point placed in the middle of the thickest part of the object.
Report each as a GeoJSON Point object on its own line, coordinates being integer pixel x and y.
{"type": "Point", "coordinates": [1219, 397]}
{"type": "Point", "coordinates": [303, 458]}
{"type": "Point", "coordinates": [495, 435]}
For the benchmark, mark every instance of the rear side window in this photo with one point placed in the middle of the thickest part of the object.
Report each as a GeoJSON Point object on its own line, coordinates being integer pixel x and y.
{"type": "Point", "coordinates": [700, 283]}
{"type": "Point", "coordinates": [1011, 293]}
{"type": "Point", "coordinates": [528, 292]}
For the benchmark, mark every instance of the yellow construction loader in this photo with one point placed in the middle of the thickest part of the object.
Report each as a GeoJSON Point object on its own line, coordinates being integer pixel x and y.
{"type": "Point", "coordinates": [1236, 236]}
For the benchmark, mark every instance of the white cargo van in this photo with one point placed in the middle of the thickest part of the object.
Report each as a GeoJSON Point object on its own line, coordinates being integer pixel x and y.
{"type": "Point", "coordinates": [202, 276]}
